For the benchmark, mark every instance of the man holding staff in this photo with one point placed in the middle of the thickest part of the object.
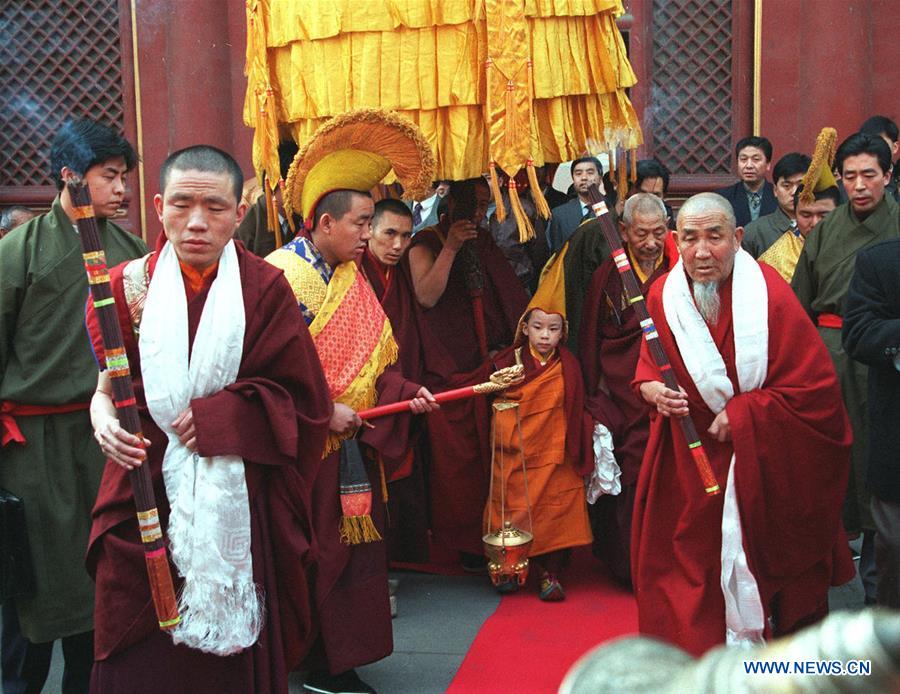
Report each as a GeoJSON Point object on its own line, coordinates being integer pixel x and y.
{"type": "Point", "coordinates": [757, 560]}
{"type": "Point", "coordinates": [234, 412]}
{"type": "Point", "coordinates": [47, 375]}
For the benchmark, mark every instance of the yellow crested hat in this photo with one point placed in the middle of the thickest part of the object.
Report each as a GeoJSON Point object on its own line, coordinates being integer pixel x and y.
{"type": "Point", "coordinates": [819, 176]}
{"type": "Point", "coordinates": [550, 296]}
{"type": "Point", "coordinates": [355, 151]}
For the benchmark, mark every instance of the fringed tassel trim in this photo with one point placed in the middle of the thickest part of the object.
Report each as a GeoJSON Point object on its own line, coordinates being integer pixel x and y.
{"type": "Point", "coordinates": [358, 530]}
{"type": "Point", "coordinates": [540, 202]}
{"type": "Point", "coordinates": [526, 231]}
{"type": "Point", "coordinates": [289, 217]}
{"type": "Point", "coordinates": [495, 192]}
{"type": "Point", "coordinates": [272, 216]}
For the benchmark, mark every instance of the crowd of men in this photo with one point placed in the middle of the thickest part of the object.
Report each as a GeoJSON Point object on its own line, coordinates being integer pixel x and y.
{"type": "Point", "coordinates": [251, 363]}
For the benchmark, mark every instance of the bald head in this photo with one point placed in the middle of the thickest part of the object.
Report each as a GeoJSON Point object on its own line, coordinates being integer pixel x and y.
{"type": "Point", "coordinates": [706, 204]}
{"type": "Point", "coordinates": [644, 229]}
{"type": "Point", "coordinates": [645, 204]}
{"type": "Point", "coordinates": [708, 238]}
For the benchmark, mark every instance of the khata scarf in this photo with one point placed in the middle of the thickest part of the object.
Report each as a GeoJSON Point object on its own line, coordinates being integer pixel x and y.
{"type": "Point", "coordinates": [744, 614]}
{"type": "Point", "coordinates": [209, 525]}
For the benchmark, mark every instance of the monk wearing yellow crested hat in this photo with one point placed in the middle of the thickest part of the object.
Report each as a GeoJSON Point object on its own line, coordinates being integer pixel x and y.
{"type": "Point", "coordinates": [329, 183]}
{"type": "Point", "coordinates": [816, 196]}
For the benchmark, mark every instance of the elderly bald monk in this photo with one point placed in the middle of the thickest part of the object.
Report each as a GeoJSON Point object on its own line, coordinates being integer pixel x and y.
{"type": "Point", "coordinates": [756, 560]}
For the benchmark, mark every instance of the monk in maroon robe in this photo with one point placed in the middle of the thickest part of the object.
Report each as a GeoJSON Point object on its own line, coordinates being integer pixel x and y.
{"type": "Point", "coordinates": [473, 302]}
{"type": "Point", "coordinates": [610, 345]}
{"type": "Point", "coordinates": [387, 270]}
{"type": "Point", "coordinates": [350, 583]}
{"type": "Point", "coordinates": [274, 416]}
{"type": "Point", "coordinates": [779, 450]}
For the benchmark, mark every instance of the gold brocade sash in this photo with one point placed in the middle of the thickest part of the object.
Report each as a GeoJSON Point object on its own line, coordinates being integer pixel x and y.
{"type": "Point", "coordinates": [354, 340]}
{"type": "Point", "coordinates": [784, 254]}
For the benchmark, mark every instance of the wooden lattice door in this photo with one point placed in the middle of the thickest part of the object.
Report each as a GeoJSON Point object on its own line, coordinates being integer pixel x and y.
{"type": "Point", "coordinates": [693, 59]}
{"type": "Point", "coordinates": [58, 60]}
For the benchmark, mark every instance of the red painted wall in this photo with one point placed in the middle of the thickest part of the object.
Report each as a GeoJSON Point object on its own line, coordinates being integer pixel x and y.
{"type": "Point", "coordinates": [826, 62]}
{"type": "Point", "coordinates": [191, 68]}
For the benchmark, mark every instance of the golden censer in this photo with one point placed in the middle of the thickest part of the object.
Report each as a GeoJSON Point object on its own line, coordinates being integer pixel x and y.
{"type": "Point", "coordinates": [506, 545]}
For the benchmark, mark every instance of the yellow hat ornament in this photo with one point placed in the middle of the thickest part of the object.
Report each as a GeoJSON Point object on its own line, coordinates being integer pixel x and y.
{"type": "Point", "coordinates": [819, 176]}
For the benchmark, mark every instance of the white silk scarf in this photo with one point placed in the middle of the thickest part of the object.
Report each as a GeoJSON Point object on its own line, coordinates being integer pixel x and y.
{"type": "Point", "coordinates": [209, 524]}
{"type": "Point", "coordinates": [744, 614]}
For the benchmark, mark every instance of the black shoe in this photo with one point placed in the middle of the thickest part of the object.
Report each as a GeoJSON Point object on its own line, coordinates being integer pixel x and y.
{"type": "Point", "coordinates": [348, 682]}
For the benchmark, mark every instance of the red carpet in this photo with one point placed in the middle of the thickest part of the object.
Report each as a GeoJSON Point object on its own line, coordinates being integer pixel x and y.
{"type": "Point", "coordinates": [528, 645]}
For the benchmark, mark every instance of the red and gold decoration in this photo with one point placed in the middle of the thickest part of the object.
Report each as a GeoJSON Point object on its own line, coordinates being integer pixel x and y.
{"type": "Point", "coordinates": [499, 380]}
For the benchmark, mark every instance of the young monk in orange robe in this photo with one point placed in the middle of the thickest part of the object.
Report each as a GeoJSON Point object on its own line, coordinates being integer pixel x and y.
{"type": "Point", "coordinates": [556, 439]}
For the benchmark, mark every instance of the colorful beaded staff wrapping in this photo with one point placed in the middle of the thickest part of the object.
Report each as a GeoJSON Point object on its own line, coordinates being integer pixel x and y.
{"type": "Point", "coordinates": [155, 555]}
{"type": "Point", "coordinates": [636, 299]}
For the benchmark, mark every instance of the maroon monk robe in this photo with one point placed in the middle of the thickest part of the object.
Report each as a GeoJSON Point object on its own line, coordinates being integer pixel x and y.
{"type": "Point", "coordinates": [451, 321]}
{"type": "Point", "coordinates": [407, 505]}
{"type": "Point", "coordinates": [791, 442]}
{"type": "Point", "coordinates": [458, 484]}
{"type": "Point", "coordinates": [610, 339]}
{"type": "Point", "coordinates": [350, 582]}
{"type": "Point", "coordinates": [280, 400]}
{"type": "Point", "coordinates": [394, 289]}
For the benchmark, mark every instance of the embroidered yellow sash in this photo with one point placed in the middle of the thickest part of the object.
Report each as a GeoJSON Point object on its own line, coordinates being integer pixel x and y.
{"type": "Point", "coordinates": [354, 341]}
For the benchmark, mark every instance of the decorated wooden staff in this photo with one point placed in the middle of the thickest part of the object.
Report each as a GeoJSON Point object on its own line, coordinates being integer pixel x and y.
{"type": "Point", "coordinates": [636, 299]}
{"type": "Point", "coordinates": [499, 380]}
{"type": "Point", "coordinates": [161, 588]}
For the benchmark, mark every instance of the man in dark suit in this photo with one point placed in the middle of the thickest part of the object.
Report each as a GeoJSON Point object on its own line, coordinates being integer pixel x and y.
{"type": "Point", "coordinates": [426, 212]}
{"type": "Point", "coordinates": [752, 196]}
{"type": "Point", "coordinates": [565, 219]}
{"type": "Point", "coordinates": [871, 334]}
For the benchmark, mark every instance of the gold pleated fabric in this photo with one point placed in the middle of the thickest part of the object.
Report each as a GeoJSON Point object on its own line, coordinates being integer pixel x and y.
{"type": "Point", "coordinates": [426, 59]}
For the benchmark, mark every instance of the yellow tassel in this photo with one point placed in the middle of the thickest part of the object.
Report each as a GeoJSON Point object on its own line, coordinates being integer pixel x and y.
{"type": "Point", "coordinates": [540, 202]}
{"type": "Point", "coordinates": [287, 215]}
{"type": "Point", "coordinates": [358, 530]}
{"type": "Point", "coordinates": [272, 222]}
{"type": "Point", "coordinates": [633, 165]}
{"type": "Point", "coordinates": [526, 231]}
{"type": "Point", "coordinates": [495, 191]}
{"type": "Point", "coordinates": [623, 175]}
{"type": "Point", "coordinates": [611, 157]}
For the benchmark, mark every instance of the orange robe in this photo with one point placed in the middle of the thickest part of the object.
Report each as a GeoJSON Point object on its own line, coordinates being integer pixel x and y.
{"type": "Point", "coordinates": [559, 517]}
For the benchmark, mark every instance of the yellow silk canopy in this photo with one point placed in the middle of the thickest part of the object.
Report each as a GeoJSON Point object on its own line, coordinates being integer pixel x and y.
{"type": "Point", "coordinates": [506, 81]}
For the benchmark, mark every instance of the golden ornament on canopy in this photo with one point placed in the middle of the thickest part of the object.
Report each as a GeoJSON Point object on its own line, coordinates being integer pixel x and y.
{"type": "Point", "coordinates": [514, 83]}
